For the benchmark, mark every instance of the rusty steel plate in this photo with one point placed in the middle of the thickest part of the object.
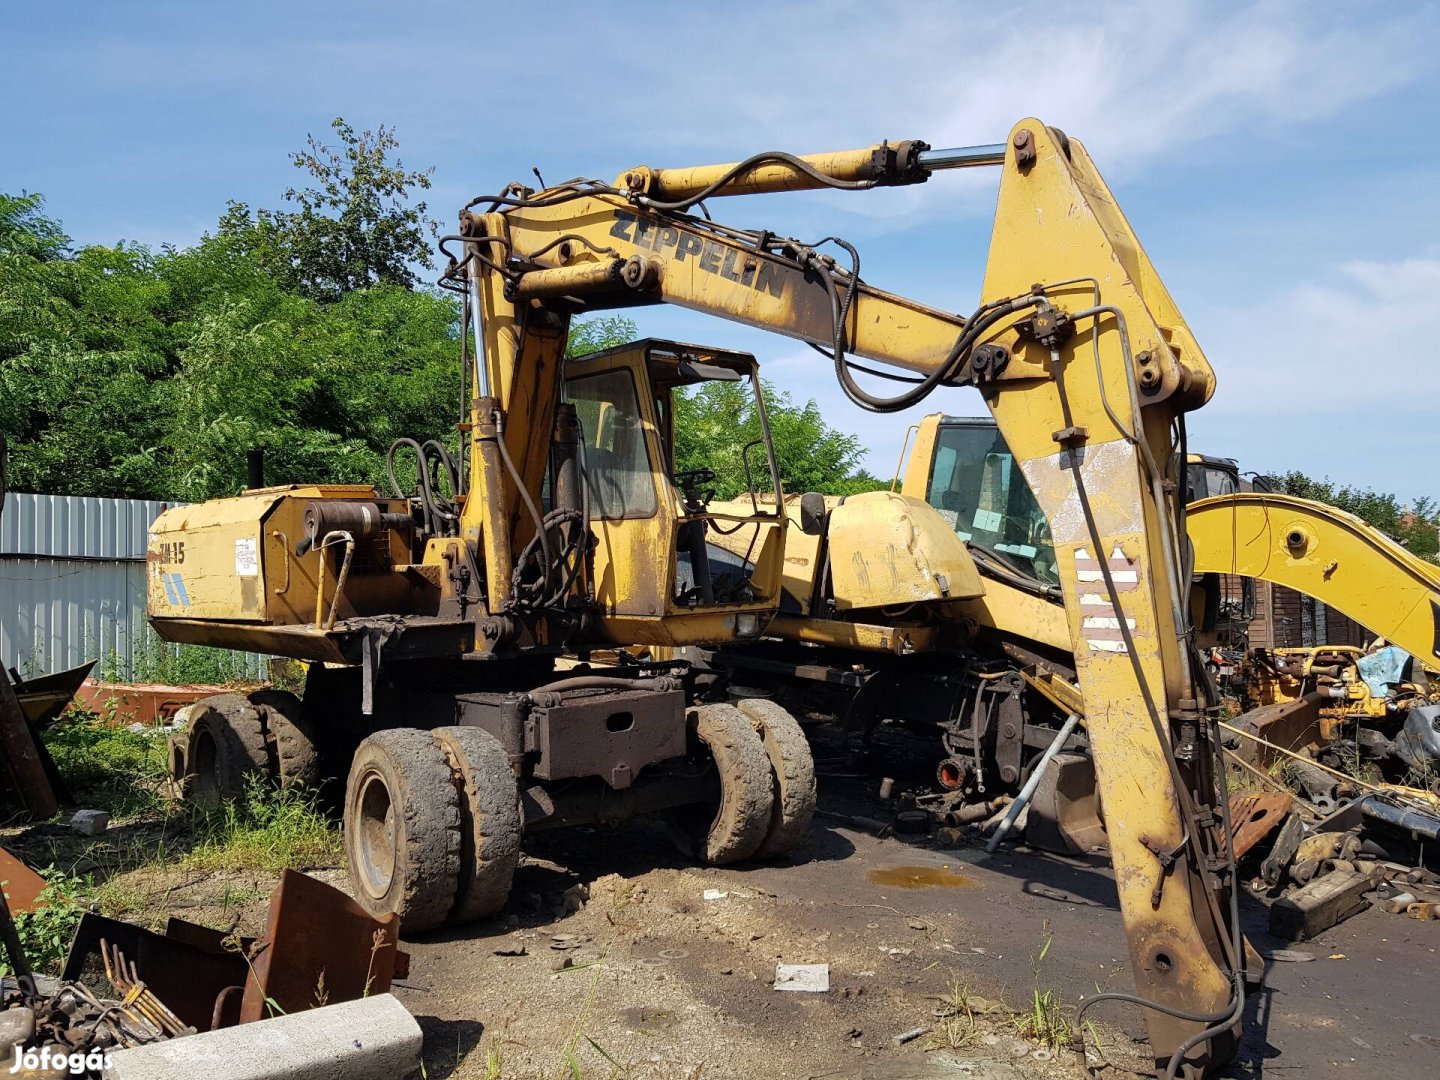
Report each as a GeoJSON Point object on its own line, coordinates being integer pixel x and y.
{"type": "Point", "coordinates": [319, 947]}
{"type": "Point", "coordinates": [1256, 815]}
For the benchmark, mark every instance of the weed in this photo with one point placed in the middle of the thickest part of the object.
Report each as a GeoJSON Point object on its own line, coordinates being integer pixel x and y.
{"type": "Point", "coordinates": [1352, 763]}
{"type": "Point", "coordinates": [267, 829]}
{"type": "Point", "coordinates": [377, 942]}
{"type": "Point", "coordinates": [1047, 1020]}
{"type": "Point", "coordinates": [180, 665]}
{"type": "Point", "coordinates": [113, 768]}
{"type": "Point", "coordinates": [567, 1053]}
{"type": "Point", "coordinates": [958, 1016]}
{"type": "Point", "coordinates": [492, 1064]}
{"type": "Point", "coordinates": [235, 944]}
{"type": "Point", "coordinates": [46, 930]}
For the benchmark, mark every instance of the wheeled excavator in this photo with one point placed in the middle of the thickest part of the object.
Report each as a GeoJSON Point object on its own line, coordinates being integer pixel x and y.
{"type": "Point", "coordinates": [424, 614]}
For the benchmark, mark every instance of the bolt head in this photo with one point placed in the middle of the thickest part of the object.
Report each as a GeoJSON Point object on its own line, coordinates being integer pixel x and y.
{"type": "Point", "coordinates": [1022, 138]}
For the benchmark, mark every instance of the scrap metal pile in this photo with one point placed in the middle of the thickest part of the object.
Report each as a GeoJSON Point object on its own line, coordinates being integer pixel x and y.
{"type": "Point", "coordinates": [318, 949]}
{"type": "Point", "coordinates": [1353, 819]}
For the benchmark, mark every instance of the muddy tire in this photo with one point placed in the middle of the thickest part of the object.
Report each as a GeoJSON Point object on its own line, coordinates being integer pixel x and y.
{"type": "Point", "coordinates": [489, 819]}
{"type": "Point", "coordinates": [792, 772]}
{"type": "Point", "coordinates": [225, 745]}
{"type": "Point", "coordinates": [402, 828]}
{"type": "Point", "coordinates": [735, 829]}
{"type": "Point", "coordinates": [294, 758]}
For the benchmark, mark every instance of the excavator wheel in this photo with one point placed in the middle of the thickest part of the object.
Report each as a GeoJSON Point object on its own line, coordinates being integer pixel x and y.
{"type": "Point", "coordinates": [793, 775]}
{"type": "Point", "coordinates": [226, 744]}
{"type": "Point", "coordinates": [734, 829]}
{"type": "Point", "coordinates": [295, 759]}
{"type": "Point", "coordinates": [402, 828]}
{"type": "Point", "coordinates": [489, 819]}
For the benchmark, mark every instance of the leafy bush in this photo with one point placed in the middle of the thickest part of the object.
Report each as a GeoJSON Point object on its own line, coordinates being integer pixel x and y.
{"type": "Point", "coordinates": [45, 932]}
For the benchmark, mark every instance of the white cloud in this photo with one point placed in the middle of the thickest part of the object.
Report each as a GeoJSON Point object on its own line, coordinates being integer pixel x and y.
{"type": "Point", "coordinates": [1335, 376]}
{"type": "Point", "coordinates": [1133, 81]}
{"type": "Point", "coordinates": [1359, 338]}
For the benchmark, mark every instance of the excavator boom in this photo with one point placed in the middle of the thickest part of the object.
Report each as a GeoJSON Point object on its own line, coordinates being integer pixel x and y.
{"type": "Point", "coordinates": [1325, 553]}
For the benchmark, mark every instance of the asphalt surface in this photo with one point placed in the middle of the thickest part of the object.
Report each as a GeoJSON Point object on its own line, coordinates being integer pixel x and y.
{"type": "Point", "coordinates": [1367, 1003]}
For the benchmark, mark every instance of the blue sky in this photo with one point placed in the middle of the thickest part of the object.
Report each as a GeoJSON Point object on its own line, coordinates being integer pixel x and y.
{"type": "Point", "coordinates": [1278, 160]}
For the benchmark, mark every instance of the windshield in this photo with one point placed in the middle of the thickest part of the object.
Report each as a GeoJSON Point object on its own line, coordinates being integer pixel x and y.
{"type": "Point", "coordinates": [977, 487]}
{"type": "Point", "coordinates": [619, 479]}
{"type": "Point", "coordinates": [1207, 481]}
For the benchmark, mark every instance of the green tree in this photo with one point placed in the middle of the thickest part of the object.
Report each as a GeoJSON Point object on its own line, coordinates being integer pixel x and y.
{"type": "Point", "coordinates": [125, 372]}
{"type": "Point", "coordinates": [601, 332]}
{"type": "Point", "coordinates": [714, 422]}
{"type": "Point", "coordinates": [357, 228]}
{"type": "Point", "coordinates": [1416, 526]}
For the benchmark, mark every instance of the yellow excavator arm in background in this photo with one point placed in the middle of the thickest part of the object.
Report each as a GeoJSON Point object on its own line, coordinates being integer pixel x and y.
{"type": "Point", "coordinates": [1087, 366]}
{"type": "Point", "coordinates": [1325, 553]}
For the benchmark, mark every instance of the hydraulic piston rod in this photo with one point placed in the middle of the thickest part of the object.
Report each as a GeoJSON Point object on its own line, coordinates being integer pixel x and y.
{"type": "Point", "coordinates": [962, 157]}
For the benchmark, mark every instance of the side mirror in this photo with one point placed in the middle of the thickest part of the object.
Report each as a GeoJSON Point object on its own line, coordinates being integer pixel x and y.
{"type": "Point", "coordinates": [812, 513]}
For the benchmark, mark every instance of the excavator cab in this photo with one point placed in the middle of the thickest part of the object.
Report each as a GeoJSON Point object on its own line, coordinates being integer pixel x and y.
{"type": "Point", "coordinates": [975, 483]}
{"type": "Point", "coordinates": [1209, 477]}
{"type": "Point", "coordinates": [659, 576]}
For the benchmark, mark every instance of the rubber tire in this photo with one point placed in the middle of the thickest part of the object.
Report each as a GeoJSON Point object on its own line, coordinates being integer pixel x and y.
{"type": "Point", "coordinates": [792, 771]}
{"type": "Point", "coordinates": [489, 820]}
{"type": "Point", "coordinates": [746, 789]}
{"type": "Point", "coordinates": [226, 743]}
{"type": "Point", "coordinates": [295, 759]}
{"type": "Point", "coordinates": [421, 818]}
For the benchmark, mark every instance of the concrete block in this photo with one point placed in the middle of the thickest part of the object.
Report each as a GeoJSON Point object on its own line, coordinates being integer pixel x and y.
{"type": "Point", "coordinates": [90, 822]}
{"type": "Point", "coordinates": [374, 1038]}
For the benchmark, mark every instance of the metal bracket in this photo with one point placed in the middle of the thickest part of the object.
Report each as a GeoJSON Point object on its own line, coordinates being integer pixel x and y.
{"type": "Point", "coordinates": [1166, 859]}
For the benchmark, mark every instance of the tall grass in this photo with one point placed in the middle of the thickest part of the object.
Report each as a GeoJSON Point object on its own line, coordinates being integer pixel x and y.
{"type": "Point", "coordinates": [110, 768]}
{"type": "Point", "coordinates": [269, 828]}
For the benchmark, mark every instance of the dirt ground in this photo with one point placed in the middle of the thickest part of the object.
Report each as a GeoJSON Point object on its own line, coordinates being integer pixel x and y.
{"type": "Point", "coordinates": [610, 961]}
{"type": "Point", "coordinates": [651, 979]}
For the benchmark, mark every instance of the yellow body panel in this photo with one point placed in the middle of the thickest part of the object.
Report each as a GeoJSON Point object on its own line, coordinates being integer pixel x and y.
{"type": "Point", "coordinates": [231, 564]}
{"type": "Point", "coordinates": [888, 550]}
{"type": "Point", "coordinates": [884, 550]}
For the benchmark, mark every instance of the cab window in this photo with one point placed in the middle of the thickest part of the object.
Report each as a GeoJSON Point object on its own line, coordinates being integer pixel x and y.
{"type": "Point", "coordinates": [979, 489]}
{"type": "Point", "coordinates": [619, 476]}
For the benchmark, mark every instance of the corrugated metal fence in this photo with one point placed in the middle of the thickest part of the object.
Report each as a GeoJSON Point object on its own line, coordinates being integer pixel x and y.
{"type": "Point", "coordinates": [72, 588]}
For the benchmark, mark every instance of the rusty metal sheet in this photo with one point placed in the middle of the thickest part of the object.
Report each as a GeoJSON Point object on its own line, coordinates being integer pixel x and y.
{"type": "Point", "coordinates": [141, 703]}
{"type": "Point", "coordinates": [319, 947]}
{"type": "Point", "coordinates": [22, 885]}
{"type": "Point", "coordinates": [44, 698]}
{"type": "Point", "coordinates": [1256, 815]}
{"type": "Point", "coordinates": [188, 980]}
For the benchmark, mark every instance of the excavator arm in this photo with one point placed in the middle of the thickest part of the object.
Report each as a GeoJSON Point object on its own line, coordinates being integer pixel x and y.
{"type": "Point", "coordinates": [1325, 553]}
{"type": "Point", "coordinates": [1087, 366]}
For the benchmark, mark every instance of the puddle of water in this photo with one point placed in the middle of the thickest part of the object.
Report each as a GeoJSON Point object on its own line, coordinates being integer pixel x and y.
{"type": "Point", "coordinates": [919, 877]}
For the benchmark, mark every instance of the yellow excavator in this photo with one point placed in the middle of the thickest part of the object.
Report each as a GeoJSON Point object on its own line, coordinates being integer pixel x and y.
{"type": "Point", "coordinates": [837, 646]}
{"type": "Point", "coordinates": [435, 615]}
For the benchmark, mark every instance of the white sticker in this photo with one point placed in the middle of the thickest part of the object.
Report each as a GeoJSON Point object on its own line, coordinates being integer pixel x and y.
{"type": "Point", "coordinates": [987, 520]}
{"type": "Point", "coordinates": [247, 557]}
